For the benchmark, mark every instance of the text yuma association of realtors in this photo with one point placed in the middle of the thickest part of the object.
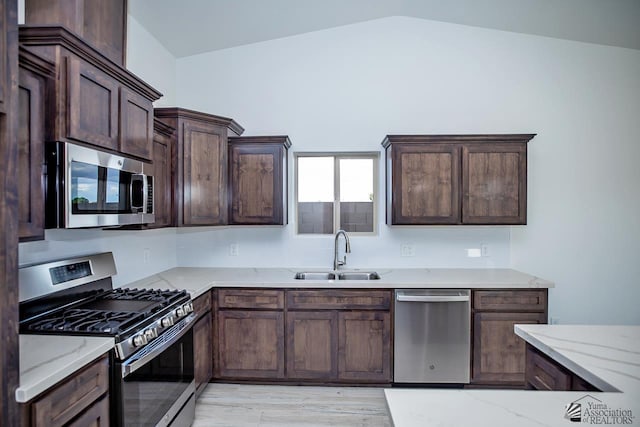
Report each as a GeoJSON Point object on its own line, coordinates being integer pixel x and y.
{"type": "Point", "coordinates": [599, 413]}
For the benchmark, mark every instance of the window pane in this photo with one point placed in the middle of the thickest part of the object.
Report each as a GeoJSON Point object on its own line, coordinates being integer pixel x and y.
{"type": "Point", "coordinates": [356, 180]}
{"type": "Point", "coordinates": [315, 217]}
{"type": "Point", "coordinates": [356, 195]}
{"type": "Point", "coordinates": [315, 179]}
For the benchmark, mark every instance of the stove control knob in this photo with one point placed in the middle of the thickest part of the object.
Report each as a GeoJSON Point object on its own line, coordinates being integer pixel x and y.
{"type": "Point", "coordinates": [139, 340]}
{"type": "Point", "coordinates": [180, 312]}
{"type": "Point", "coordinates": [167, 321]}
{"type": "Point", "coordinates": [187, 308]}
{"type": "Point", "coordinates": [151, 333]}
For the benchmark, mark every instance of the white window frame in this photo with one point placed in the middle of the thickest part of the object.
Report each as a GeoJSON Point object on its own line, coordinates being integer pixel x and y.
{"type": "Point", "coordinates": [337, 156]}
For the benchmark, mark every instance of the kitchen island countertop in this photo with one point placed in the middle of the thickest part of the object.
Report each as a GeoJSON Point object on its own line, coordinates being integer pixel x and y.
{"type": "Point", "coordinates": [607, 356]}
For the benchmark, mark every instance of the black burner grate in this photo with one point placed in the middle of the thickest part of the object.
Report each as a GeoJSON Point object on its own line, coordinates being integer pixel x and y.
{"type": "Point", "coordinates": [87, 320]}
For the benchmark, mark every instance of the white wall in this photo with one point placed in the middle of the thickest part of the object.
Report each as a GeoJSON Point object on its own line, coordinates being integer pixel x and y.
{"type": "Point", "coordinates": [345, 88]}
{"type": "Point", "coordinates": [151, 61]}
{"type": "Point", "coordinates": [128, 249]}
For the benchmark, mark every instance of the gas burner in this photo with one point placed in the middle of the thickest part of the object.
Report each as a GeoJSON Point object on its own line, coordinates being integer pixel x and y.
{"type": "Point", "coordinates": [156, 295]}
{"type": "Point", "coordinates": [87, 320]}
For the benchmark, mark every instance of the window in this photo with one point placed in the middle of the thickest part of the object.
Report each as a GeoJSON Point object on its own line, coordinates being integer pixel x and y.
{"type": "Point", "coordinates": [336, 191]}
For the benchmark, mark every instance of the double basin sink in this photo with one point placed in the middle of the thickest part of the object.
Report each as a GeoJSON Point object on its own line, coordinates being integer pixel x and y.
{"type": "Point", "coordinates": [346, 275]}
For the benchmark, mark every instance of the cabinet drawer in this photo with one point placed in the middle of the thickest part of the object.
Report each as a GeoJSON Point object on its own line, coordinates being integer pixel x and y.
{"type": "Point", "coordinates": [257, 298]}
{"type": "Point", "coordinates": [73, 395]}
{"type": "Point", "coordinates": [510, 300]}
{"type": "Point", "coordinates": [202, 304]}
{"type": "Point", "coordinates": [339, 300]}
{"type": "Point", "coordinates": [543, 374]}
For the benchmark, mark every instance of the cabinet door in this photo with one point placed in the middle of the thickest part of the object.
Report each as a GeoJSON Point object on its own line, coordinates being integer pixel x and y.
{"type": "Point", "coordinates": [256, 184]}
{"type": "Point", "coordinates": [498, 353]}
{"type": "Point", "coordinates": [3, 56]}
{"type": "Point", "coordinates": [542, 373]}
{"type": "Point", "coordinates": [97, 415]}
{"type": "Point", "coordinates": [30, 156]}
{"type": "Point", "coordinates": [203, 350]}
{"type": "Point", "coordinates": [312, 345]}
{"type": "Point", "coordinates": [364, 346]}
{"type": "Point", "coordinates": [162, 183]}
{"type": "Point", "coordinates": [205, 175]}
{"type": "Point", "coordinates": [494, 184]}
{"type": "Point", "coordinates": [92, 105]}
{"type": "Point", "coordinates": [425, 184]}
{"type": "Point", "coordinates": [251, 344]}
{"type": "Point", "coordinates": [136, 124]}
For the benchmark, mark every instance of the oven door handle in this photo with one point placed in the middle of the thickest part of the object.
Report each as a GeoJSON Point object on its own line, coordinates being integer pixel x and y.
{"type": "Point", "coordinates": [159, 345]}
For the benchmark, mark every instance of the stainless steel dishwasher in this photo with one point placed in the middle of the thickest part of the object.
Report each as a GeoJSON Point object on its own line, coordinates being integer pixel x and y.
{"type": "Point", "coordinates": [432, 336]}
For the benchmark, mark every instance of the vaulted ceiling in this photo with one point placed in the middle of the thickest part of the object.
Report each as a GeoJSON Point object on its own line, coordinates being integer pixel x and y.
{"type": "Point", "coordinates": [188, 27]}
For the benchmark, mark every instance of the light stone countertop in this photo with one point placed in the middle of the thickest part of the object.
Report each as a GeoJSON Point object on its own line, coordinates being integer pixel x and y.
{"type": "Point", "coordinates": [607, 356]}
{"type": "Point", "coordinates": [47, 359]}
{"type": "Point", "coordinates": [198, 280]}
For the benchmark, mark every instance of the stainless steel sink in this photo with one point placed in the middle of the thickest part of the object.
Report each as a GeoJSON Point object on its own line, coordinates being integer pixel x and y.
{"type": "Point", "coordinates": [310, 275]}
{"type": "Point", "coordinates": [347, 275]}
{"type": "Point", "coordinates": [358, 275]}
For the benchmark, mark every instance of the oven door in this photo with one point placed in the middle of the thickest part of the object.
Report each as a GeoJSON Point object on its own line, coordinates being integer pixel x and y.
{"type": "Point", "coordinates": [156, 385]}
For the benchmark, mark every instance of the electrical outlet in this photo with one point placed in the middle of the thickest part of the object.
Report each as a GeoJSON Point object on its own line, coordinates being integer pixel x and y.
{"type": "Point", "coordinates": [146, 256]}
{"type": "Point", "coordinates": [234, 249]}
{"type": "Point", "coordinates": [484, 250]}
{"type": "Point", "coordinates": [554, 320]}
{"type": "Point", "coordinates": [407, 250]}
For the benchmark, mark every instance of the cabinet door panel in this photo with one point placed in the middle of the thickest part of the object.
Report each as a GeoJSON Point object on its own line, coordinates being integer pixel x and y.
{"type": "Point", "coordinates": [92, 105]}
{"type": "Point", "coordinates": [251, 344]}
{"type": "Point", "coordinates": [205, 171]}
{"type": "Point", "coordinates": [203, 352]}
{"type": "Point", "coordinates": [136, 124]}
{"type": "Point", "coordinates": [30, 156]}
{"type": "Point", "coordinates": [505, 300]}
{"type": "Point", "coordinates": [71, 397]}
{"type": "Point", "coordinates": [544, 374]}
{"type": "Point", "coordinates": [494, 184]}
{"type": "Point", "coordinates": [312, 345]}
{"type": "Point", "coordinates": [162, 180]}
{"type": "Point", "coordinates": [364, 346]}
{"type": "Point", "coordinates": [97, 415]}
{"type": "Point", "coordinates": [426, 184]}
{"type": "Point", "coordinates": [498, 353]}
{"type": "Point", "coordinates": [256, 184]}
{"type": "Point", "coordinates": [3, 57]}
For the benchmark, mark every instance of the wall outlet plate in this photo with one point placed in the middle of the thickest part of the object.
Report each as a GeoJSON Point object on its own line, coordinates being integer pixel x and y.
{"type": "Point", "coordinates": [407, 250]}
{"type": "Point", "coordinates": [234, 249]}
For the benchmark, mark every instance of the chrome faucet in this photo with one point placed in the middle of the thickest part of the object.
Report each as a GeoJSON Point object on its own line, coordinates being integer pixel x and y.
{"type": "Point", "coordinates": [347, 249]}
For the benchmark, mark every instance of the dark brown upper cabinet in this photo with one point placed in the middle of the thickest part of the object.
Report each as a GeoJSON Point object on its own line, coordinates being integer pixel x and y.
{"type": "Point", "coordinates": [94, 101]}
{"type": "Point", "coordinates": [258, 180]}
{"type": "Point", "coordinates": [101, 23]}
{"type": "Point", "coordinates": [164, 137]}
{"type": "Point", "coordinates": [456, 179]}
{"type": "Point", "coordinates": [3, 56]}
{"type": "Point", "coordinates": [35, 79]}
{"type": "Point", "coordinates": [201, 156]}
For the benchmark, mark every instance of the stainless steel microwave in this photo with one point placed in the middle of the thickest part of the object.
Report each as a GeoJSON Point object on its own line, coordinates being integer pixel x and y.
{"type": "Point", "coordinates": [87, 187]}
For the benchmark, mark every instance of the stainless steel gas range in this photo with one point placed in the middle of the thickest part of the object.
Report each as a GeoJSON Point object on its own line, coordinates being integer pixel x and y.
{"type": "Point", "coordinates": [152, 364]}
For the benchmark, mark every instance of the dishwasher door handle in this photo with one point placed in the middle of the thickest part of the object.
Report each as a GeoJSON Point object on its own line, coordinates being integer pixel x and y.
{"type": "Point", "coordinates": [432, 298]}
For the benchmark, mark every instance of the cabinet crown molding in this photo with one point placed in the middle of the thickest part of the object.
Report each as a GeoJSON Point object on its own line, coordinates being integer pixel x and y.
{"type": "Point", "coordinates": [472, 138]}
{"type": "Point", "coordinates": [60, 36]}
{"type": "Point", "coordinates": [272, 139]}
{"type": "Point", "coordinates": [35, 63]}
{"type": "Point", "coordinates": [163, 128]}
{"type": "Point", "coordinates": [197, 115]}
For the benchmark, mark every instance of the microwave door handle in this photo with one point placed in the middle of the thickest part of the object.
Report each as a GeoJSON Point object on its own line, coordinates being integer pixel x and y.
{"type": "Point", "coordinates": [134, 178]}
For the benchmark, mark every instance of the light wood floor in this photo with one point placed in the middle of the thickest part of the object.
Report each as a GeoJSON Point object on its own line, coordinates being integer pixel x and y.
{"type": "Point", "coordinates": [278, 406]}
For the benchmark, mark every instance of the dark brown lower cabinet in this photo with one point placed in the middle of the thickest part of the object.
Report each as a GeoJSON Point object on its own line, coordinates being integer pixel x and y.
{"type": "Point", "coordinates": [202, 345]}
{"type": "Point", "coordinates": [317, 336]}
{"type": "Point", "coordinates": [81, 399]}
{"type": "Point", "coordinates": [364, 346]}
{"type": "Point", "coordinates": [498, 357]}
{"type": "Point", "coordinates": [544, 373]}
{"type": "Point", "coordinates": [312, 345]}
{"type": "Point", "coordinates": [250, 344]}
